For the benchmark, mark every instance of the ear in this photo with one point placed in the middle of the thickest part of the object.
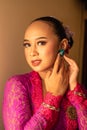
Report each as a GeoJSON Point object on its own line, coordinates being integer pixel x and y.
{"type": "Point", "coordinates": [64, 45]}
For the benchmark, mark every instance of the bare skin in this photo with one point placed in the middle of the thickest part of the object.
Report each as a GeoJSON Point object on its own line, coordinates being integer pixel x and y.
{"type": "Point", "coordinates": [56, 77]}
{"type": "Point", "coordinates": [60, 79]}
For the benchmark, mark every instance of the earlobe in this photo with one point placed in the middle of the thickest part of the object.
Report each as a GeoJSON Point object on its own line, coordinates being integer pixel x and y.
{"type": "Point", "coordinates": [64, 44]}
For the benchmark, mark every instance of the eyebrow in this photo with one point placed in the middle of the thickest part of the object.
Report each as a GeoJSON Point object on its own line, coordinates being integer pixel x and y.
{"type": "Point", "coordinates": [41, 38]}
{"type": "Point", "coordinates": [25, 40]}
{"type": "Point", "coordinates": [36, 38]}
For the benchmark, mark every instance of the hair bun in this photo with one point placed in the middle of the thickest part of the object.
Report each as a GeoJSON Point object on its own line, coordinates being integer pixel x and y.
{"type": "Point", "coordinates": [69, 35]}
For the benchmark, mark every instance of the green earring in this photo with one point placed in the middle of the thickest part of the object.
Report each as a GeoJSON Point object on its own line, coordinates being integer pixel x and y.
{"type": "Point", "coordinates": [62, 51]}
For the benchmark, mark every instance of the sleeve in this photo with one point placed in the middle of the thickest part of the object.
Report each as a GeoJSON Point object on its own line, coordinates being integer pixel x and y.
{"type": "Point", "coordinates": [17, 113]}
{"type": "Point", "coordinates": [78, 97]}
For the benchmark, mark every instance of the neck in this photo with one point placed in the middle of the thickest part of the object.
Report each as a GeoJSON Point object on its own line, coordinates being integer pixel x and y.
{"type": "Point", "coordinates": [44, 72]}
{"type": "Point", "coordinates": [43, 75]}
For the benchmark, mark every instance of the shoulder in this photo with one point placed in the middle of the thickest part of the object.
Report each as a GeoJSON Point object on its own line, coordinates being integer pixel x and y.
{"type": "Point", "coordinates": [18, 82]}
{"type": "Point", "coordinates": [18, 78]}
{"type": "Point", "coordinates": [21, 82]}
{"type": "Point", "coordinates": [21, 77]}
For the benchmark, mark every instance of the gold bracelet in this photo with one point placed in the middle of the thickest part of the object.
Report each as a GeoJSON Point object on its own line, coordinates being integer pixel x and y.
{"type": "Point", "coordinates": [50, 107]}
{"type": "Point", "coordinates": [80, 94]}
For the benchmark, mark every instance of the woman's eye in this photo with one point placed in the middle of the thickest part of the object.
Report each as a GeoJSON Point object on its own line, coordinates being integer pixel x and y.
{"type": "Point", "coordinates": [41, 43]}
{"type": "Point", "coordinates": [26, 45]}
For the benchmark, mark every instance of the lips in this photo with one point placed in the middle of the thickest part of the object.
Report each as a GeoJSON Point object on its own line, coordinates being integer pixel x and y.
{"type": "Point", "coordinates": [36, 62]}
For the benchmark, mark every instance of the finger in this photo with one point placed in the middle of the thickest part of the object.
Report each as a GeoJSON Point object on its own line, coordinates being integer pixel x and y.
{"type": "Point", "coordinates": [66, 77]}
{"type": "Point", "coordinates": [48, 74]}
{"type": "Point", "coordinates": [62, 67]}
{"type": "Point", "coordinates": [64, 72]}
{"type": "Point", "coordinates": [57, 64]}
{"type": "Point", "coordinates": [70, 61]}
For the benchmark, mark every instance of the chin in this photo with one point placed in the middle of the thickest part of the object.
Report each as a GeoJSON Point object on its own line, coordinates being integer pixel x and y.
{"type": "Point", "coordinates": [44, 69]}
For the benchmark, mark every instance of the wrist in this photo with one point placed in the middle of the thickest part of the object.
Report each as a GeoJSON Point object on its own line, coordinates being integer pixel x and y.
{"type": "Point", "coordinates": [77, 95]}
{"type": "Point", "coordinates": [50, 107]}
{"type": "Point", "coordinates": [73, 85]}
{"type": "Point", "coordinates": [52, 99]}
{"type": "Point", "coordinates": [59, 92]}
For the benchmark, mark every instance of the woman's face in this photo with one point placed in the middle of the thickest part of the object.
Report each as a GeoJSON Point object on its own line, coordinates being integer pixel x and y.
{"type": "Point", "coordinates": [41, 46]}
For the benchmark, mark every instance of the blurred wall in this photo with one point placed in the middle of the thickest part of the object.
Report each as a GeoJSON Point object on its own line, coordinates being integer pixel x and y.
{"type": "Point", "coordinates": [15, 16]}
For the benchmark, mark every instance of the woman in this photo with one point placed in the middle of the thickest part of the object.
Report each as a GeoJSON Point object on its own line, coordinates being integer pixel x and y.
{"type": "Point", "coordinates": [50, 97]}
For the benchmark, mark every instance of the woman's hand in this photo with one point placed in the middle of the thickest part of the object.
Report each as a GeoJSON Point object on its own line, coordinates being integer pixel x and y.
{"type": "Point", "coordinates": [73, 72]}
{"type": "Point", "coordinates": [56, 80]}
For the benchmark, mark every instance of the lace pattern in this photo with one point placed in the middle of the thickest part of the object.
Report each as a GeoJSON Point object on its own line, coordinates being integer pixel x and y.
{"type": "Point", "coordinates": [23, 109]}
{"type": "Point", "coordinates": [80, 102]}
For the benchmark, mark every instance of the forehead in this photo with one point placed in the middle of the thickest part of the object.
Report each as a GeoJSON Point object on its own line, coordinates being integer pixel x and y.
{"type": "Point", "coordinates": [39, 27]}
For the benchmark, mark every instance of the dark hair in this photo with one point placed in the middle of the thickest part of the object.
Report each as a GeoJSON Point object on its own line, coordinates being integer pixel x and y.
{"type": "Point", "coordinates": [58, 28]}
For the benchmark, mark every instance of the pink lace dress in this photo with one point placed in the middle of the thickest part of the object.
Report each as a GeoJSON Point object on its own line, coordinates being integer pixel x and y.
{"type": "Point", "coordinates": [23, 107]}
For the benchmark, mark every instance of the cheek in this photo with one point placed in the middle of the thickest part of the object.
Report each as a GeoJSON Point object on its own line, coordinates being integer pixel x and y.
{"type": "Point", "coordinates": [50, 52]}
{"type": "Point", "coordinates": [26, 53]}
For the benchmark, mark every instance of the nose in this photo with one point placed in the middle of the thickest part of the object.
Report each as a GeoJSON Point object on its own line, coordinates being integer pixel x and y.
{"type": "Point", "coordinates": [33, 51]}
